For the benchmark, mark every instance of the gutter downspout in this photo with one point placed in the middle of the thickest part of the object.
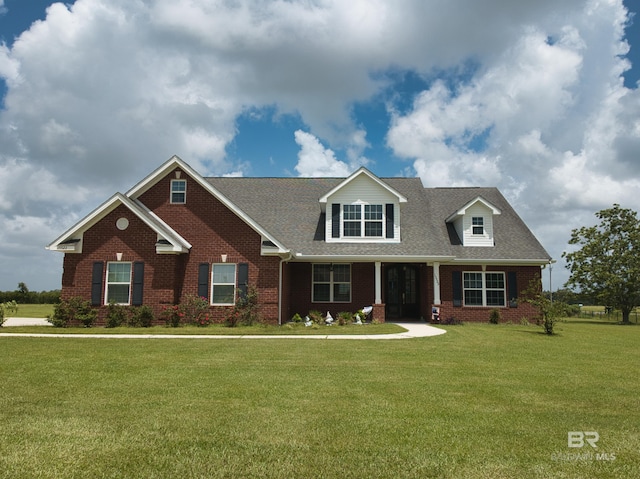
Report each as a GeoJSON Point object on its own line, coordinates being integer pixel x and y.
{"type": "Point", "coordinates": [280, 287]}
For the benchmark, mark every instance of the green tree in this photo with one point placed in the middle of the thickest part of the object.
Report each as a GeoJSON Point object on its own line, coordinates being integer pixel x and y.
{"type": "Point", "coordinates": [607, 264]}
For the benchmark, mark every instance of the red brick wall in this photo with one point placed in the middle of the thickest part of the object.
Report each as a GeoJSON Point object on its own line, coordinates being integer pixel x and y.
{"type": "Point", "coordinates": [524, 275]}
{"type": "Point", "coordinates": [299, 290]}
{"type": "Point", "coordinates": [207, 224]}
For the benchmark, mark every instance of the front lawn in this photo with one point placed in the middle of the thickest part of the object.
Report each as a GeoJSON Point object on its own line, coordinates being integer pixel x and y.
{"type": "Point", "coordinates": [482, 401]}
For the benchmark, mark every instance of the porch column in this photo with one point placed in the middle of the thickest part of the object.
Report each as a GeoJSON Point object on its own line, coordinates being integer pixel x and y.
{"type": "Point", "coordinates": [378, 274]}
{"type": "Point", "coordinates": [436, 283]}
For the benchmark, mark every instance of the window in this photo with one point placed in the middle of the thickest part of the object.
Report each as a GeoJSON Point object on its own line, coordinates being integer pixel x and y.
{"type": "Point", "coordinates": [484, 289]}
{"type": "Point", "coordinates": [373, 220]}
{"type": "Point", "coordinates": [331, 283]}
{"type": "Point", "coordinates": [178, 191]}
{"type": "Point", "coordinates": [477, 222]}
{"type": "Point", "coordinates": [352, 220]}
{"type": "Point", "coordinates": [118, 283]}
{"type": "Point", "coordinates": [355, 222]}
{"type": "Point", "coordinates": [223, 284]}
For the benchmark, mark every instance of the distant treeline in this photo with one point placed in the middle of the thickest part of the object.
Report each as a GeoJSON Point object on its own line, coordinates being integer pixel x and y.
{"type": "Point", "coordinates": [23, 296]}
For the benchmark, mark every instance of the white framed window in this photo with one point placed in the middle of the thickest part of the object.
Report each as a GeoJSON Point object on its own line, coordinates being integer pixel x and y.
{"type": "Point", "coordinates": [331, 283]}
{"type": "Point", "coordinates": [223, 284]}
{"type": "Point", "coordinates": [484, 289]}
{"type": "Point", "coordinates": [362, 220]}
{"type": "Point", "coordinates": [477, 224]}
{"type": "Point", "coordinates": [118, 284]}
{"type": "Point", "coordinates": [178, 191]}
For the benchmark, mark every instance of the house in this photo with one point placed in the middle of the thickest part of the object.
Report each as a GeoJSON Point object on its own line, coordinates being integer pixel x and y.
{"type": "Point", "coordinates": [328, 244]}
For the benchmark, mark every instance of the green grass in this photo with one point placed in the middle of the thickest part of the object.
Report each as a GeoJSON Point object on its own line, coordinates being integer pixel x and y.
{"type": "Point", "coordinates": [220, 329]}
{"type": "Point", "coordinates": [482, 401]}
{"type": "Point", "coordinates": [33, 311]}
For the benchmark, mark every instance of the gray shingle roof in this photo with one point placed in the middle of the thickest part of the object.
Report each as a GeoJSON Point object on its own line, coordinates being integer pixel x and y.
{"type": "Point", "coordinates": [288, 208]}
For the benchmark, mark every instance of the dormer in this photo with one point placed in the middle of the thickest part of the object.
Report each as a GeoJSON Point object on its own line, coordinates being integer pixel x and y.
{"type": "Point", "coordinates": [362, 209]}
{"type": "Point", "coordinates": [474, 222]}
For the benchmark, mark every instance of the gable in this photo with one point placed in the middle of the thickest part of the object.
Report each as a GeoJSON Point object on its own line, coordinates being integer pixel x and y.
{"type": "Point", "coordinates": [362, 208]}
{"type": "Point", "coordinates": [474, 222]}
{"type": "Point", "coordinates": [168, 241]}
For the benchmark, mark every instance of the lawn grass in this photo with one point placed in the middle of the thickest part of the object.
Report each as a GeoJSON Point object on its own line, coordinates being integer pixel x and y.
{"type": "Point", "coordinates": [221, 330]}
{"type": "Point", "coordinates": [482, 401]}
{"type": "Point", "coordinates": [33, 311]}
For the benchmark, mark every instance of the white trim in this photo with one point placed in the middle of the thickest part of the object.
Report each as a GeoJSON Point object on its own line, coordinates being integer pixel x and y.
{"type": "Point", "coordinates": [107, 283]}
{"type": "Point", "coordinates": [363, 171]}
{"type": "Point", "coordinates": [485, 289]}
{"type": "Point", "coordinates": [478, 199]}
{"type": "Point", "coordinates": [177, 162]}
{"type": "Point", "coordinates": [171, 192]}
{"type": "Point", "coordinates": [234, 284]}
{"type": "Point", "coordinates": [177, 243]}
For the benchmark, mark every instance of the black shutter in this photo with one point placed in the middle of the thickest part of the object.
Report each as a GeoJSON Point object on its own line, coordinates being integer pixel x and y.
{"type": "Point", "coordinates": [138, 283]}
{"type": "Point", "coordinates": [456, 278]}
{"type": "Point", "coordinates": [96, 283]}
{"type": "Point", "coordinates": [389, 220]}
{"type": "Point", "coordinates": [243, 280]}
{"type": "Point", "coordinates": [335, 220]}
{"type": "Point", "coordinates": [203, 280]}
{"type": "Point", "coordinates": [512, 289]}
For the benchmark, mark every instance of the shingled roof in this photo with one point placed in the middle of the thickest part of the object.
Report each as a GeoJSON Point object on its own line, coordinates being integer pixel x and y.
{"type": "Point", "coordinates": [289, 209]}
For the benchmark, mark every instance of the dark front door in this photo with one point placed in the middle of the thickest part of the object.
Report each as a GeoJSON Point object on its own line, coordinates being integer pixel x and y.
{"type": "Point", "coordinates": [402, 297]}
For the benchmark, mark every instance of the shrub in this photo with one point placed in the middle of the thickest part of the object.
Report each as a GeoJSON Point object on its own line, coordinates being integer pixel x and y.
{"type": "Point", "coordinates": [172, 315]}
{"type": "Point", "coordinates": [141, 317]}
{"type": "Point", "coordinates": [117, 315]}
{"type": "Point", "coordinates": [316, 317]}
{"type": "Point", "coordinates": [495, 316]}
{"type": "Point", "coordinates": [195, 310]}
{"type": "Point", "coordinates": [7, 307]}
{"type": "Point", "coordinates": [453, 321]}
{"type": "Point", "coordinates": [296, 318]}
{"type": "Point", "coordinates": [245, 311]}
{"type": "Point", "coordinates": [73, 309]}
{"type": "Point", "coordinates": [524, 321]}
{"type": "Point", "coordinates": [344, 318]}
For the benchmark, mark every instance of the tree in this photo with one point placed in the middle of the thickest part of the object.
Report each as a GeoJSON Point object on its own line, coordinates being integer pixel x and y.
{"type": "Point", "coordinates": [607, 264]}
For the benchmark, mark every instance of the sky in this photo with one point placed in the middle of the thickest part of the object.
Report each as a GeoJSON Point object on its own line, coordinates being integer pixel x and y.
{"type": "Point", "coordinates": [539, 99]}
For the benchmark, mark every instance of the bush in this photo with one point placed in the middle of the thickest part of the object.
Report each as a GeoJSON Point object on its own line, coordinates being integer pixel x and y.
{"type": "Point", "coordinates": [344, 318]}
{"type": "Point", "coordinates": [296, 318]}
{"type": "Point", "coordinates": [316, 317]}
{"type": "Point", "coordinates": [453, 321]}
{"type": "Point", "coordinates": [172, 315]}
{"type": "Point", "coordinates": [73, 309]}
{"type": "Point", "coordinates": [141, 317]}
{"type": "Point", "coordinates": [495, 316]}
{"type": "Point", "coordinates": [245, 311]}
{"type": "Point", "coordinates": [117, 315]}
{"type": "Point", "coordinates": [195, 310]}
{"type": "Point", "coordinates": [5, 308]}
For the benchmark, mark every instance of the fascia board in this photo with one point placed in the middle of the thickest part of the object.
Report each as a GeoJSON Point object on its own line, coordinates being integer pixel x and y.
{"type": "Point", "coordinates": [176, 161]}
{"type": "Point", "coordinates": [363, 171]}
{"type": "Point", "coordinates": [479, 199]}
{"type": "Point", "coordinates": [372, 258]}
{"type": "Point", "coordinates": [503, 262]}
{"type": "Point", "coordinates": [88, 221]}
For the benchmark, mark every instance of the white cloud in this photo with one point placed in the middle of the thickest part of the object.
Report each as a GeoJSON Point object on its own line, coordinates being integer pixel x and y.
{"type": "Point", "coordinates": [102, 90]}
{"type": "Point", "coordinates": [316, 160]}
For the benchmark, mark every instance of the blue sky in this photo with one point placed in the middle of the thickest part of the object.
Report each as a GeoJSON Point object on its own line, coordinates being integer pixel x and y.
{"type": "Point", "coordinates": [537, 98]}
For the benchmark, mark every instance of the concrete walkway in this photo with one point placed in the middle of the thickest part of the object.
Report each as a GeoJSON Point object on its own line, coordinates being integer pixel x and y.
{"type": "Point", "coordinates": [414, 330]}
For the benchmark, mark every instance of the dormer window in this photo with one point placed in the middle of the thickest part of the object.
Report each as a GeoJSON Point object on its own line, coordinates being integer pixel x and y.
{"type": "Point", "coordinates": [178, 192]}
{"type": "Point", "coordinates": [359, 220]}
{"type": "Point", "coordinates": [478, 225]}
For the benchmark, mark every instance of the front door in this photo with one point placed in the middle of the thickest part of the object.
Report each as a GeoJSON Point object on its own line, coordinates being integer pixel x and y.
{"type": "Point", "coordinates": [402, 299]}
